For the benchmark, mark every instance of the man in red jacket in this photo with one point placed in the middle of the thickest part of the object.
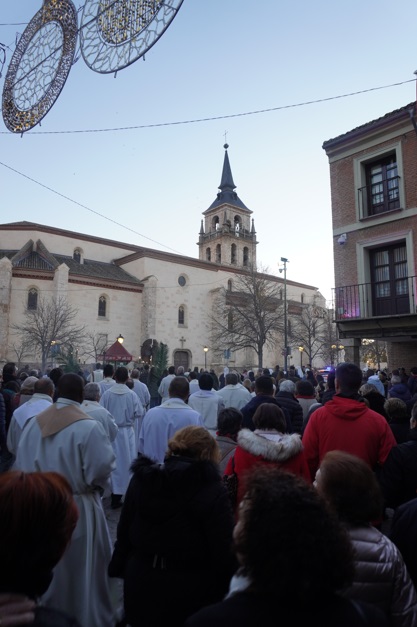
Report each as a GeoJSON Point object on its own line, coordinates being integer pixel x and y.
{"type": "Point", "coordinates": [345, 423]}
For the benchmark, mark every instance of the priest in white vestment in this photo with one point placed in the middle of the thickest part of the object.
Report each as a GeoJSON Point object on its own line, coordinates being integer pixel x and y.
{"type": "Point", "coordinates": [126, 408]}
{"type": "Point", "coordinates": [63, 438]}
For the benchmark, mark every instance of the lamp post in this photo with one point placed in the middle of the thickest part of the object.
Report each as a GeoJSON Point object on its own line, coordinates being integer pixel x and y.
{"type": "Point", "coordinates": [284, 269]}
{"type": "Point", "coordinates": [301, 349]}
{"type": "Point", "coordinates": [205, 349]}
{"type": "Point", "coordinates": [120, 338]}
{"type": "Point", "coordinates": [337, 348]}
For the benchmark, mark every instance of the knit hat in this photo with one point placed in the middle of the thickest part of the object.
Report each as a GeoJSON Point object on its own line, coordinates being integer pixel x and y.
{"type": "Point", "coordinates": [28, 385]}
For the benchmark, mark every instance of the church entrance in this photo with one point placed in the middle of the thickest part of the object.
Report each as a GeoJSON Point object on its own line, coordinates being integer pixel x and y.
{"type": "Point", "coordinates": [181, 358]}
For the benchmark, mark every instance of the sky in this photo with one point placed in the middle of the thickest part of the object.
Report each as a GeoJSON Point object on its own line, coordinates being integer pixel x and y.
{"type": "Point", "coordinates": [113, 158]}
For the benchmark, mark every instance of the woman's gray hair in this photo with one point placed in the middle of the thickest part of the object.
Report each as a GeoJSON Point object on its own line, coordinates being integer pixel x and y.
{"type": "Point", "coordinates": [91, 392]}
{"type": "Point", "coordinates": [286, 385]}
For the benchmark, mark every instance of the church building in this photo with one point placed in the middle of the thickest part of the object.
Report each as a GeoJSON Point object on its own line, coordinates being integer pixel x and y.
{"type": "Point", "coordinates": [145, 295]}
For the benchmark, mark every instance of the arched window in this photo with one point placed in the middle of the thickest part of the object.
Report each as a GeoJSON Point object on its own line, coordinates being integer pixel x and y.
{"type": "Point", "coordinates": [215, 223]}
{"type": "Point", "coordinates": [302, 298]}
{"type": "Point", "coordinates": [218, 253]}
{"type": "Point", "coordinates": [77, 255]}
{"type": "Point", "coordinates": [208, 254]}
{"type": "Point", "coordinates": [280, 294]}
{"type": "Point", "coordinates": [102, 306]}
{"type": "Point", "coordinates": [33, 299]}
{"type": "Point", "coordinates": [229, 285]}
{"type": "Point", "coordinates": [246, 256]}
{"type": "Point", "coordinates": [181, 315]}
{"type": "Point", "coordinates": [233, 254]}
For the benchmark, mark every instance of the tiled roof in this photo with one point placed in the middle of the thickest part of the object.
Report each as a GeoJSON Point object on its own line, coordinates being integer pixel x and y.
{"type": "Point", "coordinates": [91, 269]}
{"type": "Point", "coordinates": [388, 117]}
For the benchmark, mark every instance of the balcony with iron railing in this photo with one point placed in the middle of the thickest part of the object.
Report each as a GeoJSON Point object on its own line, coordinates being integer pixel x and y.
{"type": "Point", "coordinates": [367, 300]}
{"type": "Point", "coordinates": [382, 197]}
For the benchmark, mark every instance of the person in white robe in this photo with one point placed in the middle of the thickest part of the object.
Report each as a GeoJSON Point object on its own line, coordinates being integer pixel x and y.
{"type": "Point", "coordinates": [63, 438]}
{"type": "Point", "coordinates": [97, 375]}
{"type": "Point", "coordinates": [93, 408]}
{"type": "Point", "coordinates": [160, 423]}
{"type": "Point", "coordinates": [125, 407]}
{"type": "Point", "coordinates": [108, 379]}
{"type": "Point", "coordinates": [141, 389]}
{"type": "Point", "coordinates": [163, 389]}
{"type": "Point", "coordinates": [207, 402]}
{"type": "Point", "coordinates": [41, 399]}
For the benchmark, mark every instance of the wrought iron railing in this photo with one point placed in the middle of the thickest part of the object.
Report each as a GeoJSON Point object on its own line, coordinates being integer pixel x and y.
{"type": "Point", "coordinates": [354, 302]}
{"type": "Point", "coordinates": [390, 198]}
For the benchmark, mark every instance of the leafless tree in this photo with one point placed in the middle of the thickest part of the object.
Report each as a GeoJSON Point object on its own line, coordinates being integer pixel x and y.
{"type": "Point", "coordinates": [95, 345]}
{"type": "Point", "coordinates": [51, 324]}
{"type": "Point", "coordinates": [310, 330]}
{"type": "Point", "coordinates": [22, 351]}
{"type": "Point", "coordinates": [374, 351]}
{"type": "Point", "coordinates": [248, 316]}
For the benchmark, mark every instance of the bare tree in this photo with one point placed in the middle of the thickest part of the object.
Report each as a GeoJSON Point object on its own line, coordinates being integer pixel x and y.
{"type": "Point", "coordinates": [374, 351]}
{"type": "Point", "coordinates": [250, 316]}
{"type": "Point", "coordinates": [309, 330]}
{"type": "Point", "coordinates": [95, 345]}
{"type": "Point", "coordinates": [330, 338]}
{"type": "Point", "coordinates": [52, 323]}
{"type": "Point", "coordinates": [22, 351]}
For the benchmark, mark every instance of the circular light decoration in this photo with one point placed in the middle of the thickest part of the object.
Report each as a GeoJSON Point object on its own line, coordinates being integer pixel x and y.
{"type": "Point", "coordinates": [116, 33]}
{"type": "Point", "coordinates": [40, 65]}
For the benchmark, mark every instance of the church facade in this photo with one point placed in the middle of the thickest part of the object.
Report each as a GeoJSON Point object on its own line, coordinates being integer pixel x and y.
{"type": "Point", "coordinates": [146, 295]}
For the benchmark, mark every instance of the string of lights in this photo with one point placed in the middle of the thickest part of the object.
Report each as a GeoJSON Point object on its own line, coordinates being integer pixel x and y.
{"type": "Point", "coordinates": [221, 117]}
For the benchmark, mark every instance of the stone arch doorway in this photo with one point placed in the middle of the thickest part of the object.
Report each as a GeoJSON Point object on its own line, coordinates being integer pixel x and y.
{"type": "Point", "coordinates": [182, 358]}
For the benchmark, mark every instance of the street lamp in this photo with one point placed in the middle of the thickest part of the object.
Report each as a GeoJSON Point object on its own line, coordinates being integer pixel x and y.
{"type": "Point", "coordinates": [301, 349]}
{"type": "Point", "coordinates": [120, 338]}
{"type": "Point", "coordinates": [337, 348]}
{"type": "Point", "coordinates": [205, 349]}
{"type": "Point", "coordinates": [284, 269]}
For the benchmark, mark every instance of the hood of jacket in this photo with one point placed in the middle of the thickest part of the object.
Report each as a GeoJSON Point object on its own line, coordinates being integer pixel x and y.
{"type": "Point", "coordinates": [345, 408]}
{"type": "Point", "coordinates": [271, 445]}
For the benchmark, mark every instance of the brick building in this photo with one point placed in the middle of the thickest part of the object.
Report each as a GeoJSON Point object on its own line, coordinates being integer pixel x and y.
{"type": "Point", "coordinates": [374, 210]}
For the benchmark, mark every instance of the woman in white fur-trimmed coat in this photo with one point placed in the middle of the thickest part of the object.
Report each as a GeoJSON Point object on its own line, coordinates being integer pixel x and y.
{"type": "Point", "coordinates": [268, 444]}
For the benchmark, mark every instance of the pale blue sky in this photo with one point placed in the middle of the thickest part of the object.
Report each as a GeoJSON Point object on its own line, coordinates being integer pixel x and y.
{"type": "Point", "coordinates": [217, 58]}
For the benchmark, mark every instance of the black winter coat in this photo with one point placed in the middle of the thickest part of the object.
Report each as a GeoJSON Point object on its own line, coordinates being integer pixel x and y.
{"type": "Point", "coordinates": [246, 610]}
{"type": "Point", "coordinates": [289, 402]}
{"type": "Point", "coordinates": [398, 475]}
{"type": "Point", "coordinates": [403, 534]}
{"type": "Point", "coordinates": [174, 540]}
{"type": "Point", "coordinates": [250, 408]}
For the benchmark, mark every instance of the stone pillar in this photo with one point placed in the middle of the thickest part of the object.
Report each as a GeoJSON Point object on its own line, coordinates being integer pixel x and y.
{"type": "Point", "coordinates": [61, 281]}
{"type": "Point", "coordinates": [352, 350]}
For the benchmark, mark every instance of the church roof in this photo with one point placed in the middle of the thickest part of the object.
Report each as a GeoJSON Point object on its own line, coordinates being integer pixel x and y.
{"type": "Point", "coordinates": [227, 195]}
{"type": "Point", "coordinates": [35, 256]}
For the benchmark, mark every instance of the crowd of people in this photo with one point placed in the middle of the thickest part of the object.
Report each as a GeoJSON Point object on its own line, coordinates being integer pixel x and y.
{"type": "Point", "coordinates": [249, 497]}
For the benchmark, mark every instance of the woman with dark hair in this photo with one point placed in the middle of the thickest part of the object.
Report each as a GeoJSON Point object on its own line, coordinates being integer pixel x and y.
{"type": "Point", "coordinates": [38, 515]}
{"type": "Point", "coordinates": [295, 558]}
{"type": "Point", "coordinates": [306, 396]}
{"type": "Point", "coordinates": [229, 423]}
{"type": "Point", "coordinates": [268, 444]}
{"type": "Point", "coordinates": [174, 537]}
{"type": "Point", "coordinates": [351, 489]}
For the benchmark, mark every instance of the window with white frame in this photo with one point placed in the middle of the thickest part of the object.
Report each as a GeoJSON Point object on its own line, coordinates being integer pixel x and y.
{"type": "Point", "coordinates": [379, 183]}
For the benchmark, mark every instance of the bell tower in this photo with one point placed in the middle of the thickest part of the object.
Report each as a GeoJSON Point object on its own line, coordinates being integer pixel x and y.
{"type": "Point", "coordinates": [227, 234]}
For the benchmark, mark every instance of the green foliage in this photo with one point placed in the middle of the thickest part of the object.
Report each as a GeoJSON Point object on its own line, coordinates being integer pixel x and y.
{"type": "Point", "coordinates": [68, 361]}
{"type": "Point", "coordinates": [160, 361]}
